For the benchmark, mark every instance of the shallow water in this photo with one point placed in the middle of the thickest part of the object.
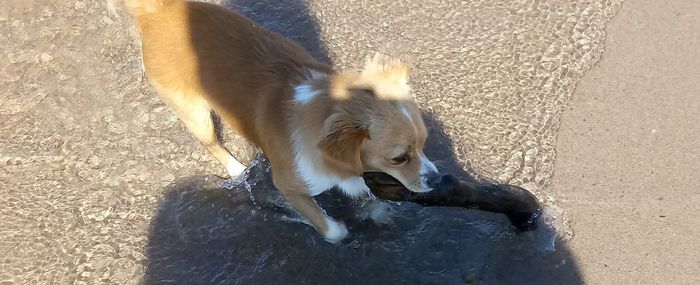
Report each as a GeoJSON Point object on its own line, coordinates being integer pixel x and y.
{"type": "Point", "coordinates": [93, 165]}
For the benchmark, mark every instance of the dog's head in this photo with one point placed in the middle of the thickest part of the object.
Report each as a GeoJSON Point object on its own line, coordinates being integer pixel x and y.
{"type": "Point", "coordinates": [377, 126]}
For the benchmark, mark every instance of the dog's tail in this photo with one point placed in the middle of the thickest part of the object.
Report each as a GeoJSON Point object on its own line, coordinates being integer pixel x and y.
{"type": "Point", "coordinates": [142, 7]}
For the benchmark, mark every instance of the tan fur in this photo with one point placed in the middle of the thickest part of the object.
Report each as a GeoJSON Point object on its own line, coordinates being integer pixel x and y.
{"type": "Point", "coordinates": [202, 58]}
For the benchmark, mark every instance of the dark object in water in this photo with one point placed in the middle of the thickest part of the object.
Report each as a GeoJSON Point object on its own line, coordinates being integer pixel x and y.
{"type": "Point", "coordinates": [518, 204]}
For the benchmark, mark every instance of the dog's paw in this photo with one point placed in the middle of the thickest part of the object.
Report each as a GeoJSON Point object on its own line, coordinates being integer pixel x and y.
{"type": "Point", "coordinates": [235, 168]}
{"type": "Point", "coordinates": [336, 231]}
{"type": "Point", "coordinates": [354, 187]}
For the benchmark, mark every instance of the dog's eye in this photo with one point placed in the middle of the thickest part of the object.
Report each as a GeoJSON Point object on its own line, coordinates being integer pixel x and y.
{"type": "Point", "coordinates": [401, 159]}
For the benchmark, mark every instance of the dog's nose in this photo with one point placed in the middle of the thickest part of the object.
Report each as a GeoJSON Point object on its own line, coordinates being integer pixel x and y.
{"type": "Point", "coordinates": [433, 178]}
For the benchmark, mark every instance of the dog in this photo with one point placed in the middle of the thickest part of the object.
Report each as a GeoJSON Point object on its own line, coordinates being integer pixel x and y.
{"type": "Point", "coordinates": [319, 128]}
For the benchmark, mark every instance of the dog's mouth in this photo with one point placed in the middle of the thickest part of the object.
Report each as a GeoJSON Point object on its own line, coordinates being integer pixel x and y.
{"type": "Point", "coordinates": [384, 181]}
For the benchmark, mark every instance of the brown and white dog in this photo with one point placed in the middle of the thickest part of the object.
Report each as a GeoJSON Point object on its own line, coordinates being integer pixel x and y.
{"type": "Point", "coordinates": [319, 128]}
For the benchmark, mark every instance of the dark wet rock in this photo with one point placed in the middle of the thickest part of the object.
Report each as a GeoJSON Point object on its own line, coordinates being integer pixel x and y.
{"type": "Point", "coordinates": [519, 205]}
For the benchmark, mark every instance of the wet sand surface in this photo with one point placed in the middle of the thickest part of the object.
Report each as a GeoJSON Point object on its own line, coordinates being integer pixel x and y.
{"type": "Point", "coordinates": [629, 148]}
{"type": "Point", "coordinates": [101, 183]}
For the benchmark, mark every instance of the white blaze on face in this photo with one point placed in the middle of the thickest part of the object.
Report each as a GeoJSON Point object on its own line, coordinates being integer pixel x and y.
{"type": "Point", "coordinates": [427, 168]}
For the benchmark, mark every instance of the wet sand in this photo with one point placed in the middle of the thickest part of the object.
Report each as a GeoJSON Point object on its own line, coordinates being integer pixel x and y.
{"type": "Point", "coordinates": [629, 148]}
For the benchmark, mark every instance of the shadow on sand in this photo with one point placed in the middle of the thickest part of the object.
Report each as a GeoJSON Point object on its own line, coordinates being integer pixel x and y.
{"type": "Point", "coordinates": [204, 233]}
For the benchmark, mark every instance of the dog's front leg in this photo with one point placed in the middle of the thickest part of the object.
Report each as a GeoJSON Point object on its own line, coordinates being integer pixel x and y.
{"type": "Point", "coordinates": [332, 230]}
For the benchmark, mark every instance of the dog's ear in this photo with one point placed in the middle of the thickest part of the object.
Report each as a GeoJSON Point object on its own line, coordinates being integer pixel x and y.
{"type": "Point", "coordinates": [341, 142]}
{"type": "Point", "coordinates": [386, 68]}
{"type": "Point", "coordinates": [388, 78]}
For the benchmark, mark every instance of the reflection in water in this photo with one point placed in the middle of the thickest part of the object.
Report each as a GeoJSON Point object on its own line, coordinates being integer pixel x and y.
{"type": "Point", "coordinates": [207, 234]}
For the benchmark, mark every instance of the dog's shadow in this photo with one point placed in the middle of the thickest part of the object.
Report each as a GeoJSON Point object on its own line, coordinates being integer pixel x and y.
{"type": "Point", "coordinates": [206, 232]}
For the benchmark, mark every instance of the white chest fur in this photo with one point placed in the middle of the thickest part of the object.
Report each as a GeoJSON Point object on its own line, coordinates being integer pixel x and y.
{"type": "Point", "coordinates": [319, 181]}
{"type": "Point", "coordinates": [307, 163]}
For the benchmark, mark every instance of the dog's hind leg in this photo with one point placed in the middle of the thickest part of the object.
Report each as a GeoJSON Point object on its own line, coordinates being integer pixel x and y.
{"type": "Point", "coordinates": [196, 113]}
